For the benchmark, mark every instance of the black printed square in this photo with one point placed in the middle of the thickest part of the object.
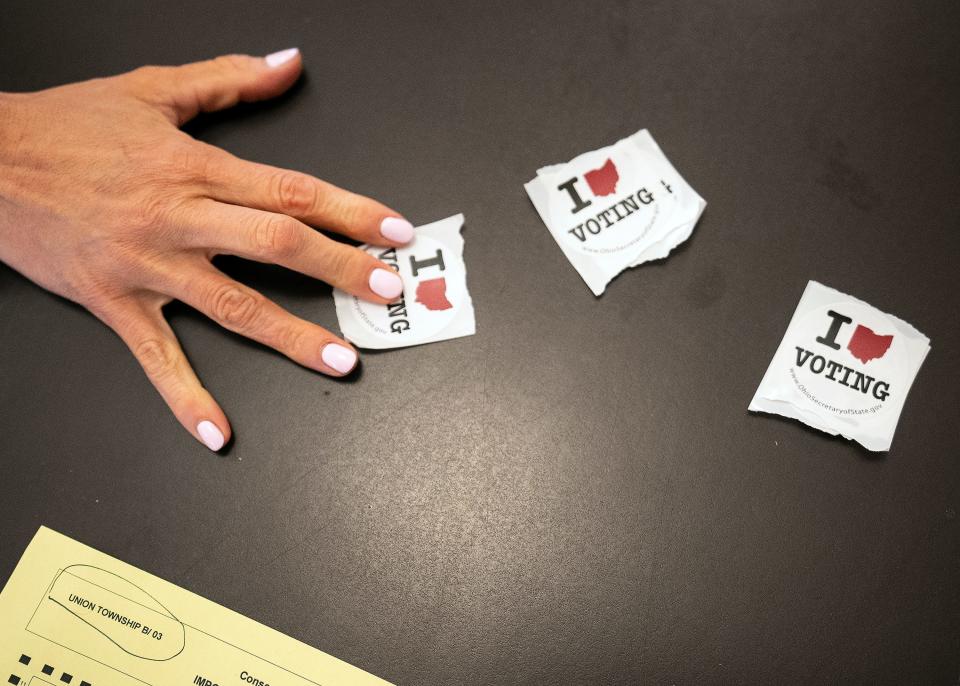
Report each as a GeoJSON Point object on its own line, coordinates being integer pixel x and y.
{"type": "Point", "coordinates": [24, 659]}
{"type": "Point", "coordinates": [47, 669]}
{"type": "Point", "coordinates": [84, 683]}
{"type": "Point", "coordinates": [66, 678]}
{"type": "Point", "coordinates": [14, 679]}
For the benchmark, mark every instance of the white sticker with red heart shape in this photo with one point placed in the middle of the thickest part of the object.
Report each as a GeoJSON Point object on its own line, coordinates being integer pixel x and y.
{"type": "Point", "coordinates": [616, 207]}
{"type": "Point", "coordinates": [843, 367]}
{"type": "Point", "coordinates": [435, 304]}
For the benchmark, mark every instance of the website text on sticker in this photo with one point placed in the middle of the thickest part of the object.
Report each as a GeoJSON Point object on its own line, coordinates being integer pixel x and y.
{"type": "Point", "coordinates": [843, 367]}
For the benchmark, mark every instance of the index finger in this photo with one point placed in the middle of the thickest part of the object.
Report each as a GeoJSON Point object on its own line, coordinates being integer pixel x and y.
{"type": "Point", "coordinates": [315, 202]}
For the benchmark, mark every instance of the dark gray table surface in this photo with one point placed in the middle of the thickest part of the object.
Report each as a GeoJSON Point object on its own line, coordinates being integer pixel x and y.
{"type": "Point", "coordinates": [577, 494]}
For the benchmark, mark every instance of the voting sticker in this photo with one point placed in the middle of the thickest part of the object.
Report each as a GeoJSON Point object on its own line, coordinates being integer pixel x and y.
{"type": "Point", "coordinates": [435, 304]}
{"type": "Point", "coordinates": [843, 367]}
{"type": "Point", "coordinates": [616, 207]}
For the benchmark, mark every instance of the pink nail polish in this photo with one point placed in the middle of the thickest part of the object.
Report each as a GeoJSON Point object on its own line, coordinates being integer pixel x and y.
{"type": "Point", "coordinates": [385, 283]}
{"type": "Point", "coordinates": [275, 59]}
{"type": "Point", "coordinates": [396, 229]}
{"type": "Point", "coordinates": [338, 357]}
{"type": "Point", "coordinates": [211, 436]}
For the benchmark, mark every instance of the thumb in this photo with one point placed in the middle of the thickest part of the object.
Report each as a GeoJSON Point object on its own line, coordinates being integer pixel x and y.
{"type": "Point", "coordinates": [218, 83]}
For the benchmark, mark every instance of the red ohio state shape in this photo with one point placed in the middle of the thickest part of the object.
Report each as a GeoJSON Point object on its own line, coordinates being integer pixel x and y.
{"type": "Point", "coordinates": [865, 345]}
{"type": "Point", "coordinates": [603, 181]}
{"type": "Point", "coordinates": [432, 294]}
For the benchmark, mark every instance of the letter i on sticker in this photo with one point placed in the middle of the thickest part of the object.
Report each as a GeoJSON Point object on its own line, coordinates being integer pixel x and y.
{"type": "Point", "coordinates": [431, 293]}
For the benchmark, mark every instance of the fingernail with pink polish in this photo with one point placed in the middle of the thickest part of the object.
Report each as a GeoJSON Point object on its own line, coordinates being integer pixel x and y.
{"type": "Point", "coordinates": [211, 436]}
{"type": "Point", "coordinates": [396, 229]}
{"type": "Point", "coordinates": [339, 357]}
{"type": "Point", "coordinates": [275, 59]}
{"type": "Point", "coordinates": [385, 283]}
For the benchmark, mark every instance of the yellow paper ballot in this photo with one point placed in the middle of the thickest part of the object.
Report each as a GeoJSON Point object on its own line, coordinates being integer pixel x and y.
{"type": "Point", "coordinates": [71, 615]}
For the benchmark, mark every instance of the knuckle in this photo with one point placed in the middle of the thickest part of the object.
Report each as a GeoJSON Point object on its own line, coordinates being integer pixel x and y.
{"type": "Point", "coordinates": [346, 262]}
{"type": "Point", "coordinates": [342, 207]}
{"type": "Point", "coordinates": [290, 338]}
{"type": "Point", "coordinates": [151, 212]}
{"type": "Point", "coordinates": [148, 75]}
{"type": "Point", "coordinates": [106, 300]}
{"type": "Point", "coordinates": [149, 83]}
{"type": "Point", "coordinates": [278, 236]}
{"type": "Point", "coordinates": [294, 193]}
{"type": "Point", "coordinates": [230, 63]}
{"type": "Point", "coordinates": [87, 286]}
{"type": "Point", "coordinates": [146, 71]}
{"type": "Point", "coordinates": [186, 162]}
{"type": "Point", "coordinates": [235, 307]}
{"type": "Point", "coordinates": [157, 357]}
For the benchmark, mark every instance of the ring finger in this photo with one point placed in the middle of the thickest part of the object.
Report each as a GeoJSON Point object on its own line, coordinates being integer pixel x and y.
{"type": "Point", "coordinates": [248, 313]}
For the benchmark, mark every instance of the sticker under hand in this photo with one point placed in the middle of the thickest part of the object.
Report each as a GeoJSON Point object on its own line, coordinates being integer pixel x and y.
{"type": "Point", "coordinates": [435, 304]}
{"type": "Point", "coordinates": [83, 618]}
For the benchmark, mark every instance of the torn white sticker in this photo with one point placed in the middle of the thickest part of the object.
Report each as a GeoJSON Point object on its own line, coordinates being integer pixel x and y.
{"type": "Point", "coordinates": [843, 367]}
{"type": "Point", "coordinates": [615, 207]}
{"type": "Point", "coordinates": [435, 304]}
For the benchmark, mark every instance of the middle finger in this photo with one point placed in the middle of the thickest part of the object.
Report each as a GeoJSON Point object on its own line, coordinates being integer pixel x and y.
{"type": "Point", "coordinates": [279, 239]}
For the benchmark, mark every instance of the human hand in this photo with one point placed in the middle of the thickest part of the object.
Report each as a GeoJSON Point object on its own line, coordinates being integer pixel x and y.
{"type": "Point", "coordinates": [103, 200]}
